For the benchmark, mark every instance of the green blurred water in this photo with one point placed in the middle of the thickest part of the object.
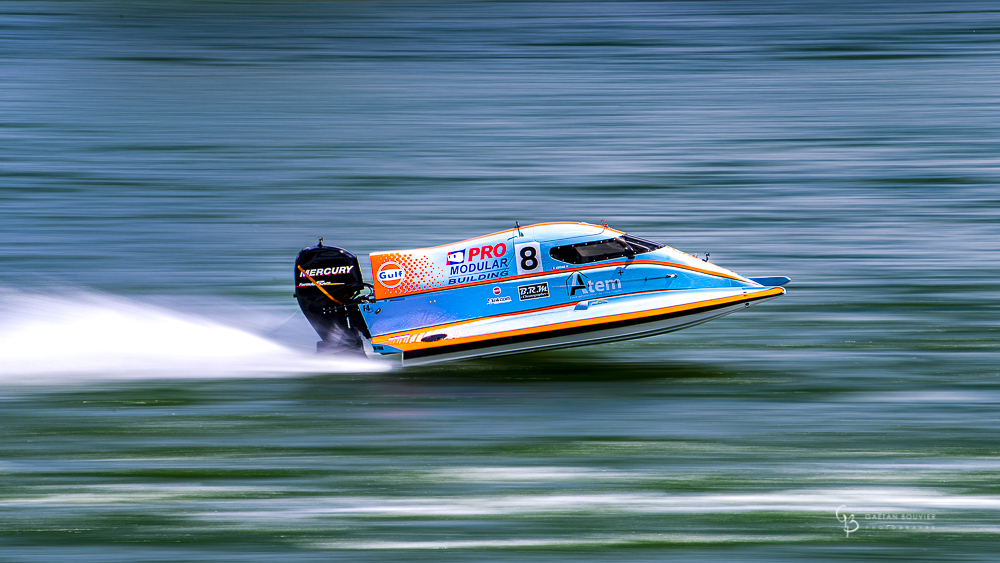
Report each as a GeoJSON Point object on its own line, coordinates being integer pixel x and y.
{"type": "Point", "coordinates": [162, 163]}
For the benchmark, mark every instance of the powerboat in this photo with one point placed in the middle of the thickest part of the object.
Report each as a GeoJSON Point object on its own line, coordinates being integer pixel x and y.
{"type": "Point", "coordinates": [538, 287]}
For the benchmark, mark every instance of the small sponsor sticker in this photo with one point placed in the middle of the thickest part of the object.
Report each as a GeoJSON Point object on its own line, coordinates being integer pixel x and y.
{"type": "Point", "coordinates": [532, 291]}
{"type": "Point", "coordinates": [390, 274]}
{"type": "Point", "coordinates": [496, 290]}
{"type": "Point", "coordinates": [498, 300]}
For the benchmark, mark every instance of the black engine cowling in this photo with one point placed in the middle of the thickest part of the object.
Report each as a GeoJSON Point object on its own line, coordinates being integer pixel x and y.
{"type": "Point", "coordinates": [329, 287]}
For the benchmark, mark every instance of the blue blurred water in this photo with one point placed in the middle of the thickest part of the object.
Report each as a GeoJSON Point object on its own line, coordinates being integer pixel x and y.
{"type": "Point", "coordinates": [161, 164]}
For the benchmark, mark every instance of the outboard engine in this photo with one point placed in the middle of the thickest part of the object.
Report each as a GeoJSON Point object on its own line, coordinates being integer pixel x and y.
{"type": "Point", "coordinates": [329, 287]}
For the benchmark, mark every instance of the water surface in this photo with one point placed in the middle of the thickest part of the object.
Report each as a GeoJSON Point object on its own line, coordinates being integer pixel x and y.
{"type": "Point", "coordinates": [162, 163]}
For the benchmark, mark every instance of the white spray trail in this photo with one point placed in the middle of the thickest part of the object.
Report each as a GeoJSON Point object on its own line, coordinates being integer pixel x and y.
{"type": "Point", "coordinates": [84, 337]}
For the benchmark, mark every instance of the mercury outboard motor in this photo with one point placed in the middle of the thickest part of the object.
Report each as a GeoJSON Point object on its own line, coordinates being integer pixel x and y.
{"type": "Point", "coordinates": [329, 287]}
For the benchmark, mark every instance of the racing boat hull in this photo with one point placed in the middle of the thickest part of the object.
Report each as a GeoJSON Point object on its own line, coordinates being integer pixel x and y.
{"type": "Point", "coordinates": [581, 324]}
{"type": "Point", "coordinates": [547, 286]}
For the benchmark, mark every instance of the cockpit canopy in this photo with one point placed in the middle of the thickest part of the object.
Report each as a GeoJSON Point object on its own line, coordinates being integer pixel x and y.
{"type": "Point", "coordinates": [599, 250]}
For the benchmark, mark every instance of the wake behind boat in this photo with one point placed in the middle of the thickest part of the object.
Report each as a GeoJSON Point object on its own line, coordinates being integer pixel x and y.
{"type": "Point", "coordinates": [540, 287]}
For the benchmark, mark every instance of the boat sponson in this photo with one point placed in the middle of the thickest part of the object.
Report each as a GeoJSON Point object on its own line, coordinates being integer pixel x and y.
{"type": "Point", "coordinates": [599, 324]}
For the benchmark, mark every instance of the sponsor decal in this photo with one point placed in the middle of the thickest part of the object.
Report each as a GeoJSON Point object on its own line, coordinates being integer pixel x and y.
{"type": "Point", "coordinates": [496, 290]}
{"type": "Point", "coordinates": [579, 284]}
{"type": "Point", "coordinates": [481, 267]}
{"type": "Point", "coordinates": [399, 339]}
{"type": "Point", "coordinates": [337, 271]}
{"type": "Point", "coordinates": [497, 300]}
{"type": "Point", "coordinates": [478, 263]}
{"type": "Point", "coordinates": [487, 252]}
{"type": "Point", "coordinates": [390, 274]}
{"type": "Point", "coordinates": [533, 291]}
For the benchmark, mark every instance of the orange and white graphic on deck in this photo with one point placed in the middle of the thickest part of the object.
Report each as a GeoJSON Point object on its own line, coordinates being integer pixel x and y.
{"type": "Point", "coordinates": [400, 273]}
{"type": "Point", "coordinates": [403, 272]}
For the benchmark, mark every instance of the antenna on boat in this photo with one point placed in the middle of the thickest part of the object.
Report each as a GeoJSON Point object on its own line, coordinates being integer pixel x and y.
{"type": "Point", "coordinates": [518, 227]}
{"type": "Point", "coordinates": [320, 242]}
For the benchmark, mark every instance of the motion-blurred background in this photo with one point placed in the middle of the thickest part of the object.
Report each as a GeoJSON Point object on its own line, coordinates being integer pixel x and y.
{"type": "Point", "coordinates": [161, 163]}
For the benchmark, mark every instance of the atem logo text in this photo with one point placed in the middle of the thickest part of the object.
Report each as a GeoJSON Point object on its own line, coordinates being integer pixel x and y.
{"type": "Point", "coordinates": [533, 291]}
{"type": "Point", "coordinates": [390, 274]}
{"type": "Point", "coordinates": [339, 270]}
{"type": "Point", "coordinates": [578, 284]}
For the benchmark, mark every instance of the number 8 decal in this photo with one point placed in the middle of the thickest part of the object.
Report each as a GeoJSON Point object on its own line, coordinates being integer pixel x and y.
{"type": "Point", "coordinates": [529, 258]}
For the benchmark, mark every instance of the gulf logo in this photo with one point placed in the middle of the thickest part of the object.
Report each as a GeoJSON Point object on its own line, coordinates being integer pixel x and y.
{"type": "Point", "coordinates": [390, 274]}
